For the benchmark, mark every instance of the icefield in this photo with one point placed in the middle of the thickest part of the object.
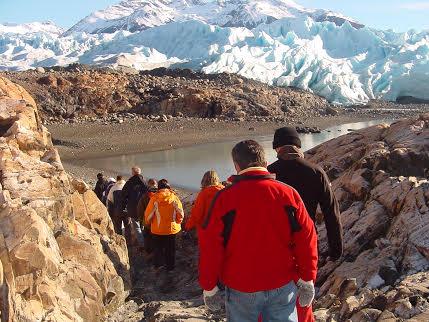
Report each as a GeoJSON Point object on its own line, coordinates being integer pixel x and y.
{"type": "Point", "coordinates": [347, 65]}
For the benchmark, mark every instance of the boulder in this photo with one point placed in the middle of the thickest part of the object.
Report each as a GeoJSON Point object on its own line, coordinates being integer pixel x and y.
{"type": "Point", "coordinates": [60, 258]}
{"type": "Point", "coordinates": [379, 178]}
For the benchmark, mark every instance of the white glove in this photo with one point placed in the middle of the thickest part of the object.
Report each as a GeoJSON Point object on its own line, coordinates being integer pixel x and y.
{"type": "Point", "coordinates": [306, 293]}
{"type": "Point", "coordinates": [213, 299]}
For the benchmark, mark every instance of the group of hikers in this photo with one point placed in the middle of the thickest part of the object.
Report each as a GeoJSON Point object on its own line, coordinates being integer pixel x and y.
{"type": "Point", "coordinates": [257, 237]}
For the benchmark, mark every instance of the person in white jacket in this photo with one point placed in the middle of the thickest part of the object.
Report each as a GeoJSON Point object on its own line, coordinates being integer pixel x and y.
{"type": "Point", "coordinates": [120, 182]}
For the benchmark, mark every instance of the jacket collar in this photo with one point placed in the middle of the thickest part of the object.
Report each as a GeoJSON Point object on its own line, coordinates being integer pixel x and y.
{"type": "Point", "coordinates": [290, 152]}
{"type": "Point", "coordinates": [252, 173]}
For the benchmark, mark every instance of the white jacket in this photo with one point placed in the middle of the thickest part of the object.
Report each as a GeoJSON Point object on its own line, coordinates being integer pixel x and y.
{"type": "Point", "coordinates": [117, 186]}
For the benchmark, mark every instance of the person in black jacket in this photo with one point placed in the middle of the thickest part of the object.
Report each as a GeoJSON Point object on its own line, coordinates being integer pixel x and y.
{"type": "Point", "coordinates": [132, 191]}
{"type": "Point", "coordinates": [100, 186]}
{"type": "Point", "coordinates": [311, 182]}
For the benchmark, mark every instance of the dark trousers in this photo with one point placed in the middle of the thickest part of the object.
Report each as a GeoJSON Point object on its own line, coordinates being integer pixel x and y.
{"type": "Point", "coordinates": [117, 218]}
{"type": "Point", "coordinates": [165, 251]}
{"type": "Point", "coordinates": [148, 240]}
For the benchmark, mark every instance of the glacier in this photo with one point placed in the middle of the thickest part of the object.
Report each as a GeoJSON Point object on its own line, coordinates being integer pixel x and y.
{"type": "Point", "coordinates": [347, 65]}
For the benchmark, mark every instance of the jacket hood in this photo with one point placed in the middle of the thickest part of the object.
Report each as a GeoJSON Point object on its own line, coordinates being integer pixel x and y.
{"type": "Point", "coordinates": [213, 188]}
{"type": "Point", "coordinates": [164, 195]}
{"type": "Point", "coordinates": [120, 183]}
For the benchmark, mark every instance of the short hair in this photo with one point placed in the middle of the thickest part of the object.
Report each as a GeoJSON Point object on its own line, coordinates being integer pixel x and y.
{"type": "Point", "coordinates": [152, 183]}
{"type": "Point", "coordinates": [136, 170]}
{"type": "Point", "coordinates": [163, 184]}
{"type": "Point", "coordinates": [100, 175]}
{"type": "Point", "coordinates": [210, 178]}
{"type": "Point", "coordinates": [118, 178]}
{"type": "Point", "coordinates": [248, 154]}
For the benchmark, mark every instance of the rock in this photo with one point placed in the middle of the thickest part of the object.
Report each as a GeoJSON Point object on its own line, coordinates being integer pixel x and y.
{"type": "Point", "coordinates": [60, 257]}
{"type": "Point", "coordinates": [385, 215]}
{"type": "Point", "coordinates": [387, 316]}
{"type": "Point", "coordinates": [94, 92]}
{"type": "Point", "coordinates": [331, 111]}
{"type": "Point", "coordinates": [163, 118]}
{"type": "Point", "coordinates": [366, 315]}
{"type": "Point", "coordinates": [40, 70]}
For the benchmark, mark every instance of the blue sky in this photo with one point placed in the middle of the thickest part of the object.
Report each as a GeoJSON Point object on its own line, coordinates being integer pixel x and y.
{"type": "Point", "coordinates": [399, 15]}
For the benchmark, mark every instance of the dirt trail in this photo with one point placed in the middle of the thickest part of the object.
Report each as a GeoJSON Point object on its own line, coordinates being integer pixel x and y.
{"type": "Point", "coordinates": [159, 297]}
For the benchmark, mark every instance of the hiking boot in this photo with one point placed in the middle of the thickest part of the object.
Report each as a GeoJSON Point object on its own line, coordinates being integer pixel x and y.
{"type": "Point", "coordinates": [168, 284]}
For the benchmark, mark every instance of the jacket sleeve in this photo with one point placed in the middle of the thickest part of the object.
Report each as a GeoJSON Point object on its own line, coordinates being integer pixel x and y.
{"type": "Point", "coordinates": [148, 214]}
{"type": "Point", "coordinates": [305, 244]}
{"type": "Point", "coordinates": [140, 208]}
{"type": "Point", "coordinates": [331, 212]}
{"type": "Point", "coordinates": [125, 195]}
{"type": "Point", "coordinates": [195, 213]}
{"type": "Point", "coordinates": [110, 195]}
{"type": "Point", "coordinates": [211, 247]}
{"type": "Point", "coordinates": [179, 211]}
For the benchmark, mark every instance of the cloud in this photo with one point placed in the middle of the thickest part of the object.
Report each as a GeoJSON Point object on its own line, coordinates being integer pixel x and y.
{"type": "Point", "coordinates": [422, 5]}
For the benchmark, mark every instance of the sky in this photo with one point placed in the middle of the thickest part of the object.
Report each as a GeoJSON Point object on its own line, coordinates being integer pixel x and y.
{"type": "Point", "coordinates": [399, 15]}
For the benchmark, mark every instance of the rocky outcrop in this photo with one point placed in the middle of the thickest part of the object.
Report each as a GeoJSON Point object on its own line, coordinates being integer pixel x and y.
{"type": "Point", "coordinates": [77, 92]}
{"type": "Point", "coordinates": [380, 175]}
{"type": "Point", "coordinates": [60, 258]}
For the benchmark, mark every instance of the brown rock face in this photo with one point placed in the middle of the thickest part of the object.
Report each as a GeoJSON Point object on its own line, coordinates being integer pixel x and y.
{"type": "Point", "coordinates": [380, 176]}
{"type": "Point", "coordinates": [68, 93]}
{"type": "Point", "coordinates": [60, 258]}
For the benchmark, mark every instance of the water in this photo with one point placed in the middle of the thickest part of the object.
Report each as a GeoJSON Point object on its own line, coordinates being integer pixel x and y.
{"type": "Point", "coordinates": [184, 167]}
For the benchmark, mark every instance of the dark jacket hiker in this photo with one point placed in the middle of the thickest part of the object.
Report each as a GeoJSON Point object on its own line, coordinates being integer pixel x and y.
{"type": "Point", "coordinates": [100, 186]}
{"type": "Point", "coordinates": [311, 182]}
{"type": "Point", "coordinates": [131, 193]}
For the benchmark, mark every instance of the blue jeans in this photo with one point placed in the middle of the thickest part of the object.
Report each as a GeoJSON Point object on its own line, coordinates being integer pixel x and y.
{"type": "Point", "coordinates": [278, 305]}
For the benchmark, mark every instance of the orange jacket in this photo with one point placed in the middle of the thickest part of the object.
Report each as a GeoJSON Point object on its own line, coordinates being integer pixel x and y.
{"type": "Point", "coordinates": [201, 206]}
{"type": "Point", "coordinates": [164, 213]}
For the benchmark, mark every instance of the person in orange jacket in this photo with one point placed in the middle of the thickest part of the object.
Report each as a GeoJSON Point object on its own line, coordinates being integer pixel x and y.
{"type": "Point", "coordinates": [164, 213]}
{"type": "Point", "coordinates": [210, 185]}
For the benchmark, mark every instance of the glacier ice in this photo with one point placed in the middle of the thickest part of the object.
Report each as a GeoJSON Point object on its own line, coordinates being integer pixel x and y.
{"type": "Point", "coordinates": [342, 63]}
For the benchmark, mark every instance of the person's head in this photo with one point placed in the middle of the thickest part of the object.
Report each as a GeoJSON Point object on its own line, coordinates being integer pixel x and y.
{"type": "Point", "coordinates": [248, 154]}
{"type": "Point", "coordinates": [286, 136]}
{"type": "Point", "coordinates": [210, 178]}
{"type": "Point", "coordinates": [152, 183]}
{"type": "Point", "coordinates": [100, 176]}
{"type": "Point", "coordinates": [119, 178]}
{"type": "Point", "coordinates": [163, 184]}
{"type": "Point", "coordinates": [135, 171]}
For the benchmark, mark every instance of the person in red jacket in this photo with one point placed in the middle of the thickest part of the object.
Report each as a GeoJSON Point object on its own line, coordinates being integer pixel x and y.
{"type": "Point", "coordinates": [258, 240]}
{"type": "Point", "coordinates": [210, 185]}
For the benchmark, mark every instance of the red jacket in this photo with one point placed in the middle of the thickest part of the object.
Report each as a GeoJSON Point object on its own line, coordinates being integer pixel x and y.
{"type": "Point", "coordinates": [201, 206]}
{"type": "Point", "coordinates": [247, 242]}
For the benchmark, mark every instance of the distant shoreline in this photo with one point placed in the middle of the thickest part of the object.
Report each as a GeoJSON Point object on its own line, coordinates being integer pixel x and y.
{"type": "Point", "coordinates": [87, 141]}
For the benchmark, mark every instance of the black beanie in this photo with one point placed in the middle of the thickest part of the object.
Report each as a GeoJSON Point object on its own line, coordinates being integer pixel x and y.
{"type": "Point", "coordinates": [286, 136]}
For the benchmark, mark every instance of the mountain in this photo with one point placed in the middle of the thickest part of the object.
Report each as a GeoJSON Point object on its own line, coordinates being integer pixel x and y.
{"type": "Point", "coordinates": [138, 15]}
{"type": "Point", "coordinates": [345, 64]}
{"type": "Point", "coordinates": [31, 28]}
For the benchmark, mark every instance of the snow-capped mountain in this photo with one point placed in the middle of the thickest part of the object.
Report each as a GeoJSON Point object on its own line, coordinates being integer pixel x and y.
{"type": "Point", "coordinates": [138, 15]}
{"type": "Point", "coordinates": [31, 28]}
{"type": "Point", "coordinates": [343, 63]}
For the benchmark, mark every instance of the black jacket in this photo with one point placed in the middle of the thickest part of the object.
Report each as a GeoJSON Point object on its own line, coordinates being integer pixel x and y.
{"type": "Point", "coordinates": [314, 187]}
{"type": "Point", "coordinates": [132, 191]}
{"type": "Point", "coordinates": [100, 186]}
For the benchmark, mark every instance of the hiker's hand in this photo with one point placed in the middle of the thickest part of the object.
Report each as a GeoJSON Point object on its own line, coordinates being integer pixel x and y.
{"type": "Point", "coordinates": [213, 299]}
{"type": "Point", "coordinates": [306, 293]}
